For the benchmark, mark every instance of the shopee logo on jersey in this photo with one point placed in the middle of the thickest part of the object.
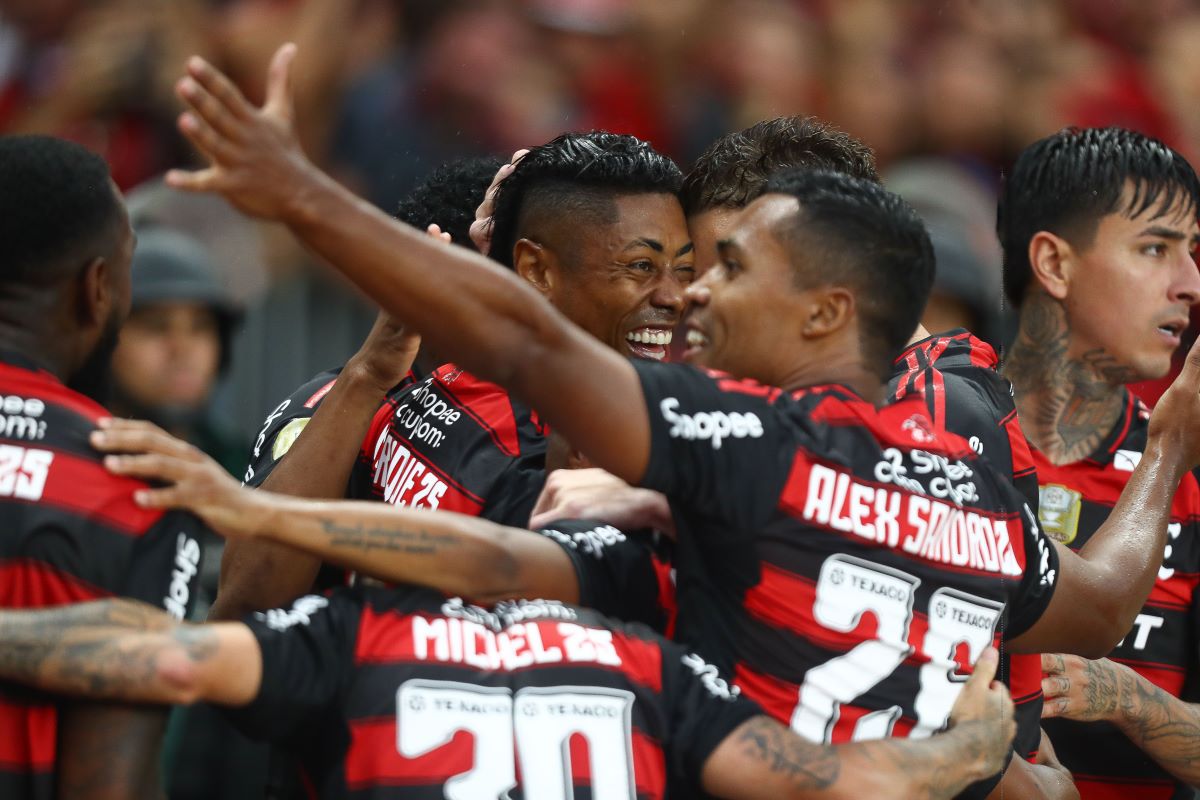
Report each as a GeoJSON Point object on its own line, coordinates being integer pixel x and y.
{"type": "Point", "coordinates": [925, 527]}
{"type": "Point", "coordinates": [711, 425]}
{"type": "Point", "coordinates": [187, 564]}
{"type": "Point", "coordinates": [404, 479]}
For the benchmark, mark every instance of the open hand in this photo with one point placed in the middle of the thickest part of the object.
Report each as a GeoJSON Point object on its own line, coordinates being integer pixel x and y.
{"type": "Point", "coordinates": [194, 481]}
{"type": "Point", "coordinates": [254, 156]}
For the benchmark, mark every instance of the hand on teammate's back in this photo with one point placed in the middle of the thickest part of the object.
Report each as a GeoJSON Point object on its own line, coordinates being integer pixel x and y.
{"type": "Point", "coordinates": [599, 495]}
{"type": "Point", "coordinates": [194, 481]}
{"type": "Point", "coordinates": [984, 709]}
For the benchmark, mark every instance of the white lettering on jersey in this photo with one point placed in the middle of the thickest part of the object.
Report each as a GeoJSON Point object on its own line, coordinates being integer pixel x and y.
{"type": "Point", "coordinates": [23, 472]}
{"type": "Point", "coordinates": [1173, 530]}
{"type": "Point", "coordinates": [187, 563]}
{"type": "Point", "coordinates": [711, 679]}
{"type": "Point", "coordinates": [300, 613]}
{"type": "Point", "coordinates": [590, 542]}
{"type": "Point", "coordinates": [927, 527]}
{"type": "Point", "coordinates": [464, 641]}
{"type": "Point", "coordinates": [262, 434]}
{"type": "Point", "coordinates": [1143, 624]}
{"type": "Point", "coordinates": [404, 478]}
{"type": "Point", "coordinates": [712, 425]}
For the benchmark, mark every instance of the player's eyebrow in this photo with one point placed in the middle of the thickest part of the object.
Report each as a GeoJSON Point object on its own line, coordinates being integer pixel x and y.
{"type": "Point", "coordinates": [1163, 232]}
{"type": "Point", "coordinates": [726, 244]}
{"type": "Point", "coordinates": [687, 248]}
{"type": "Point", "coordinates": [653, 244]}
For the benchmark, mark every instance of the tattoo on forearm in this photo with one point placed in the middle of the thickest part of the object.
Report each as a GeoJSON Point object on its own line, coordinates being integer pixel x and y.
{"type": "Point", "coordinates": [809, 766]}
{"type": "Point", "coordinates": [1163, 726]}
{"type": "Point", "coordinates": [106, 650]}
{"type": "Point", "coordinates": [395, 540]}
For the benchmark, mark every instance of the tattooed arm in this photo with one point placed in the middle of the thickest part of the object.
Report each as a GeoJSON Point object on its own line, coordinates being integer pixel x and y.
{"type": "Point", "coordinates": [453, 553]}
{"type": "Point", "coordinates": [763, 760]}
{"type": "Point", "coordinates": [1164, 727]}
{"type": "Point", "coordinates": [127, 651]}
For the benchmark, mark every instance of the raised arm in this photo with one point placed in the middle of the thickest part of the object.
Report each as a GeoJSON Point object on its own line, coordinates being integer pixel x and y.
{"type": "Point", "coordinates": [127, 651]}
{"type": "Point", "coordinates": [257, 573]}
{"type": "Point", "coordinates": [453, 553]}
{"type": "Point", "coordinates": [1101, 589]}
{"type": "Point", "coordinates": [763, 760]}
{"type": "Point", "coordinates": [467, 308]}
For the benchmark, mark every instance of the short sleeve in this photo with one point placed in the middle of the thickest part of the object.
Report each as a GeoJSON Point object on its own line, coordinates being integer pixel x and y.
{"type": "Point", "coordinates": [164, 565]}
{"type": "Point", "coordinates": [514, 494]}
{"type": "Point", "coordinates": [307, 653]}
{"type": "Point", "coordinates": [1041, 570]}
{"type": "Point", "coordinates": [618, 574]}
{"type": "Point", "coordinates": [718, 446]}
{"type": "Point", "coordinates": [283, 425]}
{"type": "Point", "coordinates": [704, 708]}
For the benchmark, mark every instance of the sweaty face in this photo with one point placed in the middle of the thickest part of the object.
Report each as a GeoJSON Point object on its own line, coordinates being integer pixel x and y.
{"type": "Point", "coordinates": [626, 282]}
{"type": "Point", "coordinates": [168, 355]}
{"type": "Point", "coordinates": [1130, 293]}
{"type": "Point", "coordinates": [746, 309]}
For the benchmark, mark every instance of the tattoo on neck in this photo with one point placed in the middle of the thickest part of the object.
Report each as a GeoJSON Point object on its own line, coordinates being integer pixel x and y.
{"type": "Point", "coordinates": [392, 539]}
{"type": "Point", "coordinates": [1067, 404]}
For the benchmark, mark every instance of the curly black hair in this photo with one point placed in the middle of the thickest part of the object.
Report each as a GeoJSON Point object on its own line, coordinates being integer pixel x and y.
{"type": "Point", "coordinates": [449, 196]}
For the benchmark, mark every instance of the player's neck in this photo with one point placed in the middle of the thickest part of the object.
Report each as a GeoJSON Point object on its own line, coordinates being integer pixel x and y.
{"type": "Point", "coordinates": [865, 382]}
{"type": "Point", "coordinates": [38, 345]}
{"type": "Point", "coordinates": [1067, 403]}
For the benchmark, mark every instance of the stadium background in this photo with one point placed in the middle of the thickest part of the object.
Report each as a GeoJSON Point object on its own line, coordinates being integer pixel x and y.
{"type": "Point", "coordinates": [945, 91]}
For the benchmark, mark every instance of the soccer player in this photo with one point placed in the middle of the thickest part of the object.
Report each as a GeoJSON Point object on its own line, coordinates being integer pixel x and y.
{"type": "Point", "coordinates": [70, 531]}
{"type": "Point", "coordinates": [806, 490]}
{"type": "Point", "coordinates": [591, 221]}
{"type": "Point", "coordinates": [1099, 231]}
{"type": "Point", "coordinates": [376, 686]}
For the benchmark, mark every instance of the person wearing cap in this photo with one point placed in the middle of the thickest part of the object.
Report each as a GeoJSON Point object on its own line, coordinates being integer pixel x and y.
{"type": "Point", "coordinates": [175, 345]}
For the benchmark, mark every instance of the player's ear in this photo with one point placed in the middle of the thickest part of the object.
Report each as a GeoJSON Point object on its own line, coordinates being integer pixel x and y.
{"type": "Point", "coordinates": [1051, 259]}
{"type": "Point", "coordinates": [534, 263]}
{"type": "Point", "coordinates": [828, 310]}
{"type": "Point", "coordinates": [94, 293]}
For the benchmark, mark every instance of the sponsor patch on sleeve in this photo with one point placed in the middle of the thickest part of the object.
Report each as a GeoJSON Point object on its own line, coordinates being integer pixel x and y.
{"type": "Point", "coordinates": [287, 437]}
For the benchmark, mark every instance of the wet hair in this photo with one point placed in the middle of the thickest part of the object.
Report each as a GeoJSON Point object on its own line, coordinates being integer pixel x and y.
{"type": "Point", "coordinates": [735, 168]}
{"type": "Point", "coordinates": [853, 232]}
{"type": "Point", "coordinates": [577, 177]}
{"type": "Point", "coordinates": [449, 197]}
{"type": "Point", "coordinates": [1066, 183]}
{"type": "Point", "coordinates": [58, 208]}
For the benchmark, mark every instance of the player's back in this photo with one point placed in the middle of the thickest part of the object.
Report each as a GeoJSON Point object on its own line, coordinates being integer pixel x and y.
{"type": "Point", "coordinates": [408, 694]}
{"type": "Point", "coordinates": [69, 532]}
{"type": "Point", "coordinates": [847, 562]}
{"type": "Point", "coordinates": [447, 441]}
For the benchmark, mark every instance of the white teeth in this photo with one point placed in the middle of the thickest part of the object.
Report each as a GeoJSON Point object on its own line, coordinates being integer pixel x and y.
{"type": "Point", "coordinates": [695, 338]}
{"type": "Point", "coordinates": [649, 336]}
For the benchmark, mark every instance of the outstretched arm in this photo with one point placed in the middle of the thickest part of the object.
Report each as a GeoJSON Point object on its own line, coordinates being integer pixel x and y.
{"type": "Point", "coordinates": [1101, 590]}
{"type": "Point", "coordinates": [128, 651]}
{"type": "Point", "coordinates": [467, 308]}
{"type": "Point", "coordinates": [1161, 725]}
{"type": "Point", "coordinates": [453, 553]}
{"type": "Point", "coordinates": [763, 760]}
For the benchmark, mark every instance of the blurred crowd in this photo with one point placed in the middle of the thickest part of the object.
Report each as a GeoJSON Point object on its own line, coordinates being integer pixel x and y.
{"type": "Point", "coordinates": [945, 91]}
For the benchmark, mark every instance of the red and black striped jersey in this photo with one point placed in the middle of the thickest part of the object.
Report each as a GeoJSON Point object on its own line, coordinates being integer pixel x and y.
{"type": "Point", "coordinates": [847, 563]}
{"type": "Point", "coordinates": [449, 441]}
{"type": "Point", "coordinates": [957, 375]}
{"type": "Point", "coordinates": [630, 577]}
{"type": "Point", "coordinates": [405, 693]}
{"type": "Point", "coordinates": [69, 533]}
{"type": "Point", "coordinates": [1163, 644]}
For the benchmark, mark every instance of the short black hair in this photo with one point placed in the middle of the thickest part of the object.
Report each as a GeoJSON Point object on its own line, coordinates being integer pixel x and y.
{"type": "Point", "coordinates": [1067, 182]}
{"type": "Point", "coordinates": [854, 232]}
{"type": "Point", "coordinates": [735, 168]}
{"type": "Point", "coordinates": [577, 174]}
{"type": "Point", "coordinates": [57, 207]}
{"type": "Point", "coordinates": [449, 196]}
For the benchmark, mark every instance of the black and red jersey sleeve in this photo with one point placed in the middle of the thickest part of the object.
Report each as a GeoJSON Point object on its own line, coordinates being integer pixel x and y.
{"type": "Point", "coordinates": [283, 425]}
{"type": "Point", "coordinates": [623, 576]}
{"type": "Point", "coordinates": [1041, 570]}
{"type": "Point", "coordinates": [515, 492]}
{"type": "Point", "coordinates": [717, 444]}
{"type": "Point", "coordinates": [307, 661]}
{"type": "Point", "coordinates": [703, 710]}
{"type": "Point", "coordinates": [164, 566]}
